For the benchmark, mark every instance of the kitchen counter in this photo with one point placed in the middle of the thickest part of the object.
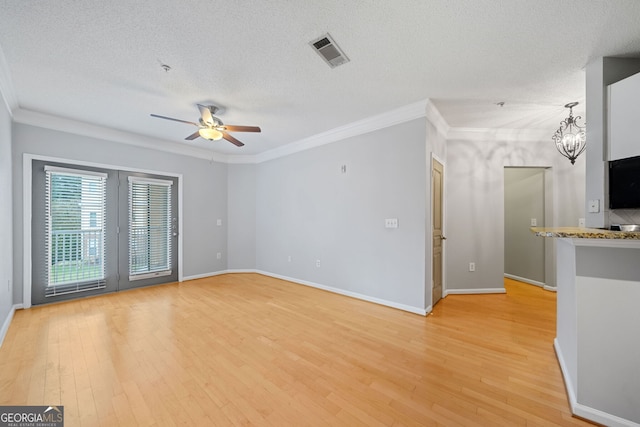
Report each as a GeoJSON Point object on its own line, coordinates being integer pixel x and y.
{"type": "Point", "coordinates": [597, 323]}
{"type": "Point", "coordinates": [584, 233]}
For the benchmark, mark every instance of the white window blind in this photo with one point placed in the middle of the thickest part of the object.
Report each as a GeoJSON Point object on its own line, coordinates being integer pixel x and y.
{"type": "Point", "coordinates": [74, 230]}
{"type": "Point", "coordinates": [149, 228]}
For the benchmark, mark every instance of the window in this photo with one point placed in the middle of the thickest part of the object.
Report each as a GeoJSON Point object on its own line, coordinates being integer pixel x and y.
{"type": "Point", "coordinates": [74, 238]}
{"type": "Point", "coordinates": [93, 219]}
{"type": "Point", "coordinates": [149, 228]}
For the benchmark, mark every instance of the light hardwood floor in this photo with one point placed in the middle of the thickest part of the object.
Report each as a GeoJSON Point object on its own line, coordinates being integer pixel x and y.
{"type": "Point", "coordinates": [246, 349]}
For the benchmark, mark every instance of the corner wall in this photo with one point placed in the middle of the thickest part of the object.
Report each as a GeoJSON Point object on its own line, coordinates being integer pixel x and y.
{"type": "Point", "coordinates": [475, 200]}
{"type": "Point", "coordinates": [241, 226]}
{"type": "Point", "coordinates": [309, 210]}
{"type": "Point", "coordinates": [6, 220]}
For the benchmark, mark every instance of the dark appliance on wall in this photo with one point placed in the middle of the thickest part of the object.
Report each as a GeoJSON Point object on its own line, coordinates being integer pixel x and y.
{"type": "Point", "coordinates": [624, 183]}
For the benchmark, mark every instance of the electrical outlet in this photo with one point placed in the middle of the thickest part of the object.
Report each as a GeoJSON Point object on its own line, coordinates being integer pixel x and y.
{"type": "Point", "coordinates": [219, 255]}
{"type": "Point", "coordinates": [472, 266]}
{"type": "Point", "coordinates": [594, 206]}
{"type": "Point", "coordinates": [534, 222]}
{"type": "Point", "coordinates": [318, 263]}
{"type": "Point", "coordinates": [581, 222]}
{"type": "Point", "coordinates": [219, 222]}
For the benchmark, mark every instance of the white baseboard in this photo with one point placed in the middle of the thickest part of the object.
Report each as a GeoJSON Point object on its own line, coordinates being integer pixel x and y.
{"type": "Point", "coordinates": [356, 295]}
{"type": "Point", "coordinates": [245, 270]}
{"type": "Point", "coordinates": [525, 280]}
{"type": "Point", "coordinates": [216, 273]}
{"type": "Point", "coordinates": [475, 291]}
{"type": "Point", "coordinates": [550, 288]}
{"type": "Point", "coordinates": [203, 275]}
{"type": "Point", "coordinates": [583, 411]}
{"type": "Point", "coordinates": [7, 322]}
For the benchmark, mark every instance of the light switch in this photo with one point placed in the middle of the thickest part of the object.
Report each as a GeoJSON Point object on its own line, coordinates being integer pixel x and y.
{"type": "Point", "coordinates": [219, 222]}
{"type": "Point", "coordinates": [391, 223]}
{"type": "Point", "coordinates": [534, 222]}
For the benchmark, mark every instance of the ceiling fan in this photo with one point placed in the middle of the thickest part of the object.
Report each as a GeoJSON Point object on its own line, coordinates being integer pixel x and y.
{"type": "Point", "coordinates": [210, 127]}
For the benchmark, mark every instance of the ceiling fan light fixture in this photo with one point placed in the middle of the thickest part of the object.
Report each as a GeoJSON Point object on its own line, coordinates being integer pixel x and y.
{"type": "Point", "coordinates": [210, 133]}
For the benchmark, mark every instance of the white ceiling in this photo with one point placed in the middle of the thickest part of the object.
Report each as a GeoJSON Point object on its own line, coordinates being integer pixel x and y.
{"type": "Point", "coordinates": [98, 61]}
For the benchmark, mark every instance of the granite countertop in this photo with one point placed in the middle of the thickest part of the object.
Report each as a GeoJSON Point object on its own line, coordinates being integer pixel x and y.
{"type": "Point", "coordinates": [584, 233]}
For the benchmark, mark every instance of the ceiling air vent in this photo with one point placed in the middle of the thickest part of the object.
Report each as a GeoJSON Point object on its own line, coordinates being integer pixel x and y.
{"type": "Point", "coordinates": [329, 51]}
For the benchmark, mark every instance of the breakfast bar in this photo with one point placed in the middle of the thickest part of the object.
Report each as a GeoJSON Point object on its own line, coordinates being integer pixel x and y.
{"type": "Point", "coordinates": [598, 321]}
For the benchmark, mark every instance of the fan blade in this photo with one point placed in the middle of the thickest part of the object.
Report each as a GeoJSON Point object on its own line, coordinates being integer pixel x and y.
{"type": "Point", "coordinates": [231, 139]}
{"type": "Point", "coordinates": [233, 128]}
{"type": "Point", "coordinates": [175, 120]}
{"type": "Point", "coordinates": [193, 136]}
{"type": "Point", "coordinates": [206, 115]}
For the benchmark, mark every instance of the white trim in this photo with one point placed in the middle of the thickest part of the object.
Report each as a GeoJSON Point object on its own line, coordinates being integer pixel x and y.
{"type": "Point", "coordinates": [27, 162]}
{"type": "Point", "coordinates": [94, 131]}
{"type": "Point", "coordinates": [430, 225]}
{"type": "Point", "coordinates": [525, 280]}
{"type": "Point", "coordinates": [583, 411]}
{"type": "Point", "coordinates": [151, 181]}
{"type": "Point", "coordinates": [76, 172]}
{"type": "Point", "coordinates": [7, 322]}
{"type": "Point", "coordinates": [360, 127]}
{"type": "Point", "coordinates": [550, 288]}
{"type": "Point", "coordinates": [436, 119]}
{"type": "Point", "coordinates": [571, 394]}
{"type": "Point", "coordinates": [410, 309]}
{"type": "Point", "coordinates": [370, 124]}
{"type": "Point", "coordinates": [241, 270]}
{"type": "Point", "coordinates": [26, 229]}
{"type": "Point", "coordinates": [476, 291]}
{"type": "Point", "coordinates": [211, 274]}
{"type": "Point", "coordinates": [7, 90]}
{"type": "Point", "coordinates": [356, 295]}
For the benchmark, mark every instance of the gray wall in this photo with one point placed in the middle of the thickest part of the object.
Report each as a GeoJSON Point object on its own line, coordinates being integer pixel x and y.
{"type": "Point", "coordinates": [309, 210]}
{"type": "Point", "coordinates": [437, 143]}
{"type": "Point", "coordinates": [474, 180]}
{"type": "Point", "coordinates": [600, 73]}
{"type": "Point", "coordinates": [523, 200]}
{"type": "Point", "coordinates": [204, 191]}
{"type": "Point", "coordinates": [241, 227]}
{"type": "Point", "coordinates": [6, 224]}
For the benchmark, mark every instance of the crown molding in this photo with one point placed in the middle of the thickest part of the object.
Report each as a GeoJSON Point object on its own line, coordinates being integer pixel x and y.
{"type": "Point", "coordinates": [370, 124]}
{"type": "Point", "coordinates": [434, 116]}
{"type": "Point", "coordinates": [94, 131]}
{"type": "Point", "coordinates": [7, 90]}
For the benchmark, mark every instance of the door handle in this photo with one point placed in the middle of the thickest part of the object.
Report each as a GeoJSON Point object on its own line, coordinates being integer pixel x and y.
{"type": "Point", "coordinates": [443, 238]}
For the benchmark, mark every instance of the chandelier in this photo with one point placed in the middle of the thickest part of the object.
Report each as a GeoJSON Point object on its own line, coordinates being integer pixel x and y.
{"type": "Point", "coordinates": [570, 138]}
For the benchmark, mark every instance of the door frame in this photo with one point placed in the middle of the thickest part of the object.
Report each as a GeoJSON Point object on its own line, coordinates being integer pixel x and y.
{"type": "Point", "coordinates": [27, 162]}
{"type": "Point", "coordinates": [550, 220]}
{"type": "Point", "coordinates": [429, 287]}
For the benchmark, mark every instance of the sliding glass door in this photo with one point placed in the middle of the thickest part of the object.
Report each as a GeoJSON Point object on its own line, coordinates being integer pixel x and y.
{"type": "Point", "coordinates": [148, 205]}
{"type": "Point", "coordinates": [97, 230]}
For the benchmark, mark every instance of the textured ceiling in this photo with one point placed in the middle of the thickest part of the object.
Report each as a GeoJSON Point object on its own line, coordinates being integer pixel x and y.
{"type": "Point", "coordinates": [99, 61]}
